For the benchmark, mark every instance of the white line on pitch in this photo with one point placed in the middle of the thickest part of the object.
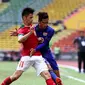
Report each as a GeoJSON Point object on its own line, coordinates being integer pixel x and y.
{"type": "Point", "coordinates": [71, 77]}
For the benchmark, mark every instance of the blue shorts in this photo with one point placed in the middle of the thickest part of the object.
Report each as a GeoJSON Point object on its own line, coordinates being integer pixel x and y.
{"type": "Point", "coordinates": [49, 57]}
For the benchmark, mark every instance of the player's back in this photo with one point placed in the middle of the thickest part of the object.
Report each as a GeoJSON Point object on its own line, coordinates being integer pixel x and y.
{"type": "Point", "coordinates": [31, 41]}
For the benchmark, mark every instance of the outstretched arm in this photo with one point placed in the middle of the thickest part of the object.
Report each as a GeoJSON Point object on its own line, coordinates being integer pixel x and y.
{"type": "Point", "coordinates": [22, 37]}
{"type": "Point", "coordinates": [14, 32]}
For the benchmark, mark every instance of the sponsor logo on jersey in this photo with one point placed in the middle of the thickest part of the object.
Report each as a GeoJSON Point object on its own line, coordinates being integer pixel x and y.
{"type": "Point", "coordinates": [45, 33]}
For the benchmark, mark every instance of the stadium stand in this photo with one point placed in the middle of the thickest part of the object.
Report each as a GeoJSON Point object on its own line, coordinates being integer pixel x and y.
{"type": "Point", "coordinates": [59, 9]}
{"type": "Point", "coordinates": [10, 17]}
{"type": "Point", "coordinates": [76, 20]}
{"type": "Point", "coordinates": [8, 42]}
{"type": "Point", "coordinates": [66, 42]}
{"type": "Point", "coordinates": [12, 14]}
{"type": "Point", "coordinates": [3, 6]}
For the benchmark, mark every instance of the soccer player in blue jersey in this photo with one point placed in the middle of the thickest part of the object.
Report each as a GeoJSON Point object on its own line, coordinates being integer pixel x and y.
{"type": "Point", "coordinates": [45, 32]}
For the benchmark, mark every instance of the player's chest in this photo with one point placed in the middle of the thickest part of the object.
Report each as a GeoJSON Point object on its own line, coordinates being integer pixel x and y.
{"type": "Point", "coordinates": [42, 34]}
{"type": "Point", "coordinates": [26, 31]}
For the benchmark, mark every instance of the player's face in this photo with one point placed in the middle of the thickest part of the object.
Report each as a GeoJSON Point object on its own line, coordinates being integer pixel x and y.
{"type": "Point", "coordinates": [43, 24]}
{"type": "Point", "coordinates": [28, 19]}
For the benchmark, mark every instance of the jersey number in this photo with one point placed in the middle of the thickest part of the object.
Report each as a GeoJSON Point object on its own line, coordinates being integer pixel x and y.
{"type": "Point", "coordinates": [21, 64]}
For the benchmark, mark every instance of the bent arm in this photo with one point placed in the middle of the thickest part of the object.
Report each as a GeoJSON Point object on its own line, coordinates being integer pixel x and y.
{"type": "Point", "coordinates": [46, 40]}
{"type": "Point", "coordinates": [22, 38]}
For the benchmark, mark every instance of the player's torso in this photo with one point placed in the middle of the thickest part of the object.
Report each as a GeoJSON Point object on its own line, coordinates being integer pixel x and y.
{"type": "Point", "coordinates": [81, 44]}
{"type": "Point", "coordinates": [31, 42]}
{"type": "Point", "coordinates": [43, 34]}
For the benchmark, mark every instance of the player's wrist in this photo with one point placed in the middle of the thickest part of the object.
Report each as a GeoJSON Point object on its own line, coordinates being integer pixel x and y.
{"type": "Point", "coordinates": [30, 32]}
{"type": "Point", "coordinates": [35, 49]}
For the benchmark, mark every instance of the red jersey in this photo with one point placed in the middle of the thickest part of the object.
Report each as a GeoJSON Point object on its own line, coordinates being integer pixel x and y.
{"type": "Point", "coordinates": [31, 42]}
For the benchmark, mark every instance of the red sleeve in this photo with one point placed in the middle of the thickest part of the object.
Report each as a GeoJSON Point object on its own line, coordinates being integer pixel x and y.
{"type": "Point", "coordinates": [21, 31]}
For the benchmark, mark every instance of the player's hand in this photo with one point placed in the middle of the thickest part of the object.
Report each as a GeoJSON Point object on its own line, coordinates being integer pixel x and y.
{"type": "Point", "coordinates": [40, 40]}
{"type": "Point", "coordinates": [14, 32]}
{"type": "Point", "coordinates": [32, 51]}
{"type": "Point", "coordinates": [32, 29]}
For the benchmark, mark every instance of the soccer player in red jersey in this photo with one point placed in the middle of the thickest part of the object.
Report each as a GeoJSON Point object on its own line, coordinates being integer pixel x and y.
{"type": "Point", "coordinates": [27, 37]}
{"type": "Point", "coordinates": [44, 39]}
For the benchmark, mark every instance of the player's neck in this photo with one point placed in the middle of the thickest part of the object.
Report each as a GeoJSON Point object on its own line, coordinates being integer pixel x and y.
{"type": "Point", "coordinates": [27, 25]}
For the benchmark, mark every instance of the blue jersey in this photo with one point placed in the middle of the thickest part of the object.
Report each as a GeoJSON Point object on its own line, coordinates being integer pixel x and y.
{"type": "Point", "coordinates": [47, 34]}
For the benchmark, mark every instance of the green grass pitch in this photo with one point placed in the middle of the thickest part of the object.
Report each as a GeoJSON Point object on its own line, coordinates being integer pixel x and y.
{"type": "Point", "coordinates": [68, 76]}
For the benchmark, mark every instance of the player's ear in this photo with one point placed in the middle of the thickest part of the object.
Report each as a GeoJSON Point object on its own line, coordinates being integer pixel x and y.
{"type": "Point", "coordinates": [24, 17]}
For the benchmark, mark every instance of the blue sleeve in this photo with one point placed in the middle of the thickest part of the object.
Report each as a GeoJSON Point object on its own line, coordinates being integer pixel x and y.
{"type": "Point", "coordinates": [46, 40]}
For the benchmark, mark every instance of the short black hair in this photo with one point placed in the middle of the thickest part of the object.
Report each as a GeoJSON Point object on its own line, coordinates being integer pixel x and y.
{"type": "Point", "coordinates": [42, 15]}
{"type": "Point", "coordinates": [27, 11]}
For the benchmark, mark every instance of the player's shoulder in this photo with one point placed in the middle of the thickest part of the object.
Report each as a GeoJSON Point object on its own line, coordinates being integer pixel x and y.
{"type": "Point", "coordinates": [36, 27]}
{"type": "Point", "coordinates": [50, 29]}
{"type": "Point", "coordinates": [21, 29]}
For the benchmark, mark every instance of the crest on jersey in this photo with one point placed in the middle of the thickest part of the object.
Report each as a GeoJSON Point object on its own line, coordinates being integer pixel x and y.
{"type": "Point", "coordinates": [45, 33]}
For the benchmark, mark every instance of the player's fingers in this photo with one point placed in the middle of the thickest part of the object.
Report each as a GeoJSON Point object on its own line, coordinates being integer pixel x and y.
{"type": "Point", "coordinates": [32, 28]}
{"type": "Point", "coordinates": [11, 32]}
{"type": "Point", "coordinates": [16, 29]}
{"type": "Point", "coordinates": [31, 53]}
{"type": "Point", "coordinates": [31, 49]}
{"type": "Point", "coordinates": [42, 39]}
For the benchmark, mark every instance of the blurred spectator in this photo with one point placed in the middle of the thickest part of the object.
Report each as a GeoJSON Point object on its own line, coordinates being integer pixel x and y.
{"type": "Point", "coordinates": [1, 56]}
{"type": "Point", "coordinates": [60, 24]}
{"type": "Point", "coordinates": [7, 56]}
{"type": "Point", "coordinates": [57, 53]}
{"type": "Point", "coordinates": [5, 0]}
{"type": "Point", "coordinates": [15, 57]}
{"type": "Point", "coordinates": [79, 43]}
